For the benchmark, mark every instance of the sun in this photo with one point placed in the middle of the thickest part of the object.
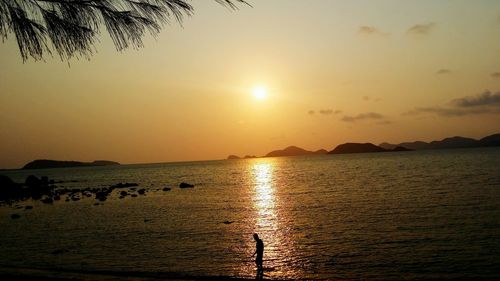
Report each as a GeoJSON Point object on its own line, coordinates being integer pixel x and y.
{"type": "Point", "coordinates": [259, 92]}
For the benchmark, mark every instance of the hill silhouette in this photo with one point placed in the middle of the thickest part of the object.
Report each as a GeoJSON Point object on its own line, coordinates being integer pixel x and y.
{"type": "Point", "coordinates": [294, 151]}
{"type": "Point", "coordinates": [447, 143]}
{"type": "Point", "coordinates": [49, 164]}
{"type": "Point", "coordinates": [356, 148]}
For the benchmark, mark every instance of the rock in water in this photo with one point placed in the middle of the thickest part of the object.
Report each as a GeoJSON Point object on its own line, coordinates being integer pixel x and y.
{"type": "Point", "coordinates": [185, 185]}
{"type": "Point", "coordinates": [167, 189]}
{"type": "Point", "coordinates": [15, 216]}
{"type": "Point", "coordinates": [48, 200]}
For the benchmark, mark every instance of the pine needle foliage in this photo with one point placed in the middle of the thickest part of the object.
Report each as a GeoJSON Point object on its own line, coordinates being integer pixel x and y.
{"type": "Point", "coordinates": [70, 28]}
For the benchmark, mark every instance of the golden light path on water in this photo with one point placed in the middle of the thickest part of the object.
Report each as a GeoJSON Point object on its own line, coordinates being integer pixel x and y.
{"type": "Point", "coordinates": [270, 218]}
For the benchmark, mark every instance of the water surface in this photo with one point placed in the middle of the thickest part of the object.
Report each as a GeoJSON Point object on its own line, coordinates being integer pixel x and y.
{"type": "Point", "coordinates": [408, 215]}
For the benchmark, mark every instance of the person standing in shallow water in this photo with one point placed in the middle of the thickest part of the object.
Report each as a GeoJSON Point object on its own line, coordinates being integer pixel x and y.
{"type": "Point", "coordinates": [259, 251]}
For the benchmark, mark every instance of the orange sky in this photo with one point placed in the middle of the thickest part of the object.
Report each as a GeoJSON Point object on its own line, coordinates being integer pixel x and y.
{"type": "Point", "coordinates": [335, 71]}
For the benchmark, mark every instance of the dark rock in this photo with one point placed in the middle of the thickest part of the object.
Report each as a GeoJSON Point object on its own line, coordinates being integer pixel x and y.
{"type": "Point", "coordinates": [59, 251]}
{"type": "Point", "coordinates": [185, 185]}
{"type": "Point", "coordinates": [75, 198]}
{"type": "Point", "coordinates": [141, 191]}
{"type": "Point", "coordinates": [15, 216]}
{"type": "Point", "coordinates": [57, 198]}
{"type": "Point", "coordinates": [123, 193]}
{"type": "Point", "coordinates": [44, 180]}
{"type": "Point", "coordinates": [47, 200]}
{"type": "Point", "coordinates": [167, 189]}
{"type": "Point", "coordinates": [28, 207]}
{"type": "Point", "coordinates": [227, 222]}
{"type": "Point", "coordinates": [32, 181]}
{"type": "Point", "coordinates": [9, 190]}
{"type": "Point", "coordinates": [134, 195]}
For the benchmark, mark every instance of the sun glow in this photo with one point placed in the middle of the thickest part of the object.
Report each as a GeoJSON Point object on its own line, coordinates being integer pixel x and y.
{"type": "Point", "coordinates": [260, 92]}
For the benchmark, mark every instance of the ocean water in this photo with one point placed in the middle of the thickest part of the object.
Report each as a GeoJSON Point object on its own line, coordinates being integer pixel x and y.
{"type": "Point", "coordinates": [385, 216]}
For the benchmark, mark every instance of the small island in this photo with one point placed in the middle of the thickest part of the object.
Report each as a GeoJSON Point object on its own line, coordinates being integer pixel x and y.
{"type": "Point", "coordinates": [294, 151]}
{"type": "Point", "coordinates": [50, 164]}
{"type": "Point", "coordinates": [363, 148]}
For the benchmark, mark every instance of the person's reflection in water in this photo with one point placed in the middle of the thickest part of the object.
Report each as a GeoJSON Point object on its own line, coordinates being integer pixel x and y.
{"type": "Point", "coordinates": [259, 251]}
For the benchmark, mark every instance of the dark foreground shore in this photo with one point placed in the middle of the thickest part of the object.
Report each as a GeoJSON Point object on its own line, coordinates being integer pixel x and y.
{"type": "Point", "coordinates": [36, 274]}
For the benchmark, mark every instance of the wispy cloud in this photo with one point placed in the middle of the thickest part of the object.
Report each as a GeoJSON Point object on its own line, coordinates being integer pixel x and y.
{"type": "Point", "coordinates": [421, 29]}
{"type": "Point", "coordinates": [484, 99]}
{"type": "Point", "coordinates": [384, 122]}
{"type": "Point", "coordinates": [495, 74]}
{"type": "Point", "coordinates": [362, 116]}
{"type": "Point", "coordinates": [373, 99]}
{"type": "Point", "coordinates": [484, 103]}
{"type": "Point", "coordinates": [370, 30]}
{"type": "Point", "coordinates": [441, 111]}
{"type": "Point", "coordinates": [324, 112]}
{"type": "Point", "coordinates": [443, 71]}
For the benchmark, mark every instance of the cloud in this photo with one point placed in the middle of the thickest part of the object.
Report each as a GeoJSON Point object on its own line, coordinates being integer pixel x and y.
{"type": "Point", "coordinates": [373, 99]}
{"type": "Point", "coordinates": [384, 122]}
{"type": "Point", "coordinates": [326, 111]}
{"type": "Point", "coordinates": [483, 103]}
{"type": "Point", "coordinates": [495, 74]}
{"type": "Point", "coordinates": [484, 99]}
{"type": "Point", "coordinates": [369, 30]}
{"type": "Point", "coordinates": [443, 71]}
{"type": "Point", "coordinates": [421, 29]}
{"type": "Point", "coordinates": [440, 111]}
{"type": "Point", "coordinates": [362, 116]}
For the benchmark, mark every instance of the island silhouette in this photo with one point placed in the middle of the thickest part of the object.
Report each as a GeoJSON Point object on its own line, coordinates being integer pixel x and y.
{"type": "Point", "coordinates": [47, 164]}
{"type": "Point", "coordinates": [351, 147]}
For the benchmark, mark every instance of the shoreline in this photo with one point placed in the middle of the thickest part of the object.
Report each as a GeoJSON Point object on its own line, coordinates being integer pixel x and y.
{"type": "Point", "coordinates": [42, 274]}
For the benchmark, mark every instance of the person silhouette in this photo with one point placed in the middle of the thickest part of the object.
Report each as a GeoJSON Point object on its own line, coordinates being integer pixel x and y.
{"type": "Point", "coordinates": [259, 251]}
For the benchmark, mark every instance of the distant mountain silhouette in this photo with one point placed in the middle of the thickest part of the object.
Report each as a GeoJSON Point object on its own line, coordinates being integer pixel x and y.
{"type": "Point", "coordinates": [388, 146]}
{"type": "Point", "coordinates": [294, 151]}
{"type": "Point", "coordinates": [448, 143]}
{"type": "Point", "coordinates": [47, 164]}
{"type": "Point", "coordinates": [356, 148]}
{"type": "Point", "coordinates": [233, 157]}
{"type": "Point", "coordinates": [493, 140]}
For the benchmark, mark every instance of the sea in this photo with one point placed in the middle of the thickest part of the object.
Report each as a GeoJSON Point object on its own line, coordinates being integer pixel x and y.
{"type": "Point", "coordinates": [378, 216]}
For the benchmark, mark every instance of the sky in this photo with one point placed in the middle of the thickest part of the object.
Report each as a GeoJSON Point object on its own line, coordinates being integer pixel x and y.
{"type": "Point", "coordinates": [333, 71]}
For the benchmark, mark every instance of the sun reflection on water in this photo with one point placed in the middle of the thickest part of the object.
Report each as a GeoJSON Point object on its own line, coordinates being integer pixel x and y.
{"type": "Point", "coordinates": [271, 219]}
{"type": "Point", "coordinates": [264, 197]}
